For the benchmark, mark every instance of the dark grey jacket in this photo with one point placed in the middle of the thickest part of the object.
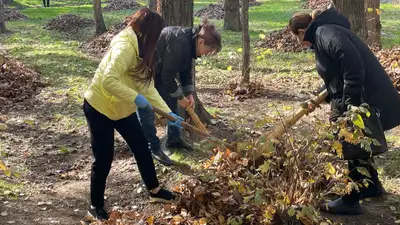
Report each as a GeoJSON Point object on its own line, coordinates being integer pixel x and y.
{"type": "Point", "coordinates": [350, 70]}
{"type": "Point", "coordinates": [176, 49]}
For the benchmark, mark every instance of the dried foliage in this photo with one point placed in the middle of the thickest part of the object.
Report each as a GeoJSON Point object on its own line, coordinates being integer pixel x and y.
{"type": "Point", "coordinates": [68, 23]}
{"type": "Point", "coordinates": [17, 82]}
{"type": "Point", "coordinates": [116, 5]}
{"type": "Point", "coordinates": [217, 11]}
{"type": "Point", "coordinates": [13, 14]}
{"type": "Point", "coordinates": [390, 60]}
{"type": "Point", "coordinates": [281, 40]}
{"type": "Point", "coordinates": [246, 91]}
{"type": "Point", "coordinates": [317, 4]}
{"type": "Point", "coordinates": [99, 45]}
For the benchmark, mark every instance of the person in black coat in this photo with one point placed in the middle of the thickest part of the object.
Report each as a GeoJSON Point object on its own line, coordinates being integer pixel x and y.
{"type": "Point", "coordinates": [352, 75]}
{"type": "Point", "coordinates": [176, 49]}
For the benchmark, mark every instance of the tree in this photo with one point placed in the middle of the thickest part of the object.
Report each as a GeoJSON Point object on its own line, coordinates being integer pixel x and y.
{"type": "Point", "coordinates": [232, 15]}
{"type": "Point", "coordinates": [180, 13]}
{"type": "Point", "coordinates": [364, 18]}
{"type": "Point", "coordinates": [246, 42]}
{"type": "Point", "coordinates": [152, 4]}
{"type": "Point", "coordinates": [2, 18]}
{"type": "Point", "coordinates": [98, 17]}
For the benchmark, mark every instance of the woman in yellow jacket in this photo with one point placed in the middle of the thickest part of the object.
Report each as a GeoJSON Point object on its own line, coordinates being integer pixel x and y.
{"type": "Point", "coordinates": [122, 83]}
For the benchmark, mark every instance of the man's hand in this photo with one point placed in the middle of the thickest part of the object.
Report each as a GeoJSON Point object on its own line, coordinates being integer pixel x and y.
{"type": "Point", "coordinates": [184, 102]}
{"type": "Point", "coordinates": [191, 101]}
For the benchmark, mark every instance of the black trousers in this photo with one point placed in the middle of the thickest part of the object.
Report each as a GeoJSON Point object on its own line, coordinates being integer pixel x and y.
{"type": "Point", "coordinates": [358, 177]}
{"type": "Point", "coordinates": [102, 140]}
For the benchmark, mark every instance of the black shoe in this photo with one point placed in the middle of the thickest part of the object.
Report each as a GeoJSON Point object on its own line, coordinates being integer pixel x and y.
{"type": "Point", "coordinates": [162, 196]}
{"type": "Point", "coordinates": [180, 143]}
{"type": "Point", "coordinates": [372, 191]}
{"type": "Point", "coordinates": [98, 213]}
{"type": "Point", "coordinates": [338, 206]}
{"type": "Point", "coordinates": [160, 156]}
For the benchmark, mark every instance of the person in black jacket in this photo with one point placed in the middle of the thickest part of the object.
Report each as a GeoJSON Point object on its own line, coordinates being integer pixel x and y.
{"type": "Point", "coordinates": [176, 49]}
{"type": "Point", "coordinates": [352, 75]}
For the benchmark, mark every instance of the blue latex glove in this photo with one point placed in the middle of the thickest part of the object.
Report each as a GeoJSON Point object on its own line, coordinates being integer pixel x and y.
{"type": "Point", "coordinates": [178, 121]}
{"type": "Point", "coordinates": [141, 102]}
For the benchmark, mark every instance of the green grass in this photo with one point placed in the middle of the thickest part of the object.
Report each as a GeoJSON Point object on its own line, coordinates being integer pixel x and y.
{"type": "Point", "coordinates": [9, 190]}
{"type": "Point", "coordinates": [390, 25]}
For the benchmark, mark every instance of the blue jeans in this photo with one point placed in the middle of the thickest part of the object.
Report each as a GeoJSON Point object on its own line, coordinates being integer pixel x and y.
{"type": "Point", "coordinates": [146, 118]}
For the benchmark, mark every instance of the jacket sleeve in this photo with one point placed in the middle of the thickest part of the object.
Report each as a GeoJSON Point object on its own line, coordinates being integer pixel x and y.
{"type": "Point", "coordinates": [152, 95]}
{"type": "Point", "coordinates": [170, 68]}
{"type": "Point", "coordinates": [122, 57]}
{"type": "Point", "coordinates": [186, 79]}
{"type": "Point", "coordinates": [342, 49]}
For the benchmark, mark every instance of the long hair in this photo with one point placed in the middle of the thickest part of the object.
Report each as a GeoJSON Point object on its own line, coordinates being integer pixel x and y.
{"type": "Point", "coordinates": [210, 34]}
{"type": "Point", "coordinates": [147, 25]}
{"type": "Point", "coordinates": [302, 20]}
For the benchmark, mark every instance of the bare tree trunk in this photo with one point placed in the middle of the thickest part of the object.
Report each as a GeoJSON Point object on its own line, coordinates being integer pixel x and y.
{"type": "Point", "coordinates": [2, 18]}
{"type": "Point", "coordinates": [180, 13]}
{"type": "Point", "coordinates": [152, 4]}
{"type": "Point", "coordinates": [246, 42]}
{"type": "Point", "coordinates": [232, 15]}
{"type": "Point", "coordinates": [374, 26]}
{"type": "Point", "coordinates": [98, 17]}
{"type": "Point", "coordinates": [355, 11]}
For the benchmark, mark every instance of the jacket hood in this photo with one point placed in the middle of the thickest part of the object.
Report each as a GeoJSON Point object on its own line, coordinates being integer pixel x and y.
{"type": "Point", "coordinates": [330, 16]}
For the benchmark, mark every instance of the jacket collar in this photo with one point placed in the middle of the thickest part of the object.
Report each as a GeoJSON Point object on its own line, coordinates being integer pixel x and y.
{"type": "Point", "coordinates": [191, 34]}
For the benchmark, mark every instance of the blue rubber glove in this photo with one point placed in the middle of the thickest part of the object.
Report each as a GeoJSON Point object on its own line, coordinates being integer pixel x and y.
{"type": "Point", "coordinates": [178, 121]}
{"type": "Point", "coordinates": [141, 102]}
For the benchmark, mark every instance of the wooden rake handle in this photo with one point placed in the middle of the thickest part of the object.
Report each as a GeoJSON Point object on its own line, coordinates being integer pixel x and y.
{"type": "Point", "coordinates": [183, 123]}
{"type": "Point", "coordinates": [196, 119]}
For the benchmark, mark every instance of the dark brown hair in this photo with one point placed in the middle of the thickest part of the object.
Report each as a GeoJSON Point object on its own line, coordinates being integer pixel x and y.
{"type": "Point", "coordinates": [302, 20]}
{"type": "Point", "coordinates": [210, 35]}
{"type": "Point", "coordinates": [147, 25]}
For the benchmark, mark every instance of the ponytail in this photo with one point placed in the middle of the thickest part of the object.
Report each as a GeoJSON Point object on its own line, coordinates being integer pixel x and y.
{"type": "Point", "coordinates": [210, 35]}
{"type": "Point", "coordinates": [302, 20]}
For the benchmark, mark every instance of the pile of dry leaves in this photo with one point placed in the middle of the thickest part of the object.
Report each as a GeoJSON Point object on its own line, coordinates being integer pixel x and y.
{"type": "Point", "coordinates": [217, 11]}
{"type": "Point", "coordinates": [281, 40]}
{"type": "Point", "coordinates": [116, 5]}
{"type": "Point", "coordinates": [17, 82]}
{"type": "Point", "coordinates": [390, 60]}
{"type": "Point", "coordinates": [13, 14]}
{"type": "Point", "coordinates": [99, 45]}
{"type": "Point", "coordinates": [317, 4]}
{"type": "Point", "coordinates": [68, 23]}
{"type": "Point", "coordinates": [230, 188]}
{"type": "Point", "coordinates": [246, 91]}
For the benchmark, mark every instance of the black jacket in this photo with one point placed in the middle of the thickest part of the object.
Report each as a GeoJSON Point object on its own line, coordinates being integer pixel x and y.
{"type": "Point", "coordinates": [176, 49]}
{"type": "Point", "coordinates": [350, 70]}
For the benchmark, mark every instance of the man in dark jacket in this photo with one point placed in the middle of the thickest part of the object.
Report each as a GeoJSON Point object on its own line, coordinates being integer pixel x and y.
{"type": "Point", "coordinates": [177, 47]}
{"type": "Point", "coordinates": [352, 75]}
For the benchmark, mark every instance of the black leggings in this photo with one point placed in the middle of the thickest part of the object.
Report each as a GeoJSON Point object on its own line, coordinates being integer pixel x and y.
{"type": "Point", "coordinates": [102, 140]}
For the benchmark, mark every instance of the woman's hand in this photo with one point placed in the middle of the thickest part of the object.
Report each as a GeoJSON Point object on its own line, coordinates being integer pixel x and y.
{"type": "Point", "coordinates": [178, 121]}
{"type": "Point", "coordinates": [191, 101]}
{"type": "Point", "coordinates": [184, 102]}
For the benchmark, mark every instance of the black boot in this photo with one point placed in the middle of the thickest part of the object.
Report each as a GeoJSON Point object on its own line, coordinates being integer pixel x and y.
{"type": "Point", "coordinates": [160, 156]}
{"type": "Point", "coordinates": [346, 205]}
{"type": "Point", "coordinates": [99, 213]}
{"type": "Point", "coordinates": [338, 206]}
{"type": "Point", "coordinates": [373, 190]}
{"type": "Point", "coordinates": [180, 143]}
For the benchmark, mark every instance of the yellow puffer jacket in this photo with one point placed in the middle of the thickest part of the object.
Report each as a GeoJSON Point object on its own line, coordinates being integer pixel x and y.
{"type": "Point", "coordinates": [113, 89]}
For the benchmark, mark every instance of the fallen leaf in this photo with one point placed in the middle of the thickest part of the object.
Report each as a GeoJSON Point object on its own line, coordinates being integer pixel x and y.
{"type": "Point", "coordinates": [41, 203]}
{"type": "Point", "coordinates": [392, 208]}
{"type": "Point", "coordinates": [150, 220]}
{"type": "Point", "coordinates": [7, 192]}
{"type": "Point", "coordinates": [203, 221]}
{"type": "Point", "coordinates": [397, 222]}
{"type": "Point", "coordinates": [4, 213]}
{"type": "Point", "coordinates": [3, 127]}
{"type": "Point", "coordinates": [11, 221]}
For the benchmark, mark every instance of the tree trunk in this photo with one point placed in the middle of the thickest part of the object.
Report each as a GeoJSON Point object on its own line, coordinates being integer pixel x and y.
{"type": "Point", "coordinates": [176, 12]}
{"type": "Point", "coordinates": [2, 18]}
{"type": "Point", "coordinates": [374, 26]}
{"type": "Point", "coordinates": [180, 13]}
{"type": "Point", "coordinates": [355, 11]}
{"type": "Point", "coordinates": [98, 17]}
{"type": "Point", "coordinates": [232, 15]}
{"type": "Point", "coordinates": [246, 43]}
{"type": "Point", "coordinates": [152, 4]}
{"type": "Point", "coordinates": [7, 2]}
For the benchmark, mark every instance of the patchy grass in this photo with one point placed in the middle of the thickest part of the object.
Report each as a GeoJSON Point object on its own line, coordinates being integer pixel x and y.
{"type": "Point", "coordinates": [9, 190]}
{"type": "Point", "coordinates": [390, 25]}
